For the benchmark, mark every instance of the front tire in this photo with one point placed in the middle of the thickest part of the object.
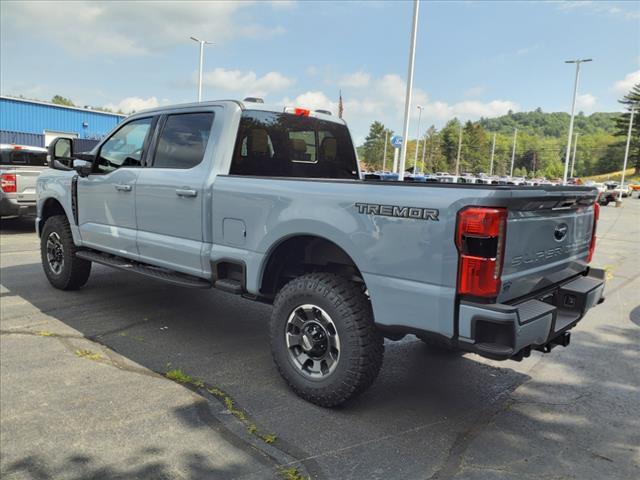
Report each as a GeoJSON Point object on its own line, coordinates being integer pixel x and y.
{"type": "Point", "coordinates": [63, 269]}
{"type": "Point", "coordinates": [323, 338]}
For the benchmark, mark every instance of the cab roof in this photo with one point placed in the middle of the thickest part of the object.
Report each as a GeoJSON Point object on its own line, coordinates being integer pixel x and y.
{"type": "Point", "coordinates": [250, 105]}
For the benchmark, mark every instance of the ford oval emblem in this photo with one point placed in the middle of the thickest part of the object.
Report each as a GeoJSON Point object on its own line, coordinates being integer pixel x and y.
{"type": "Point", "coordinates": [560, 232]}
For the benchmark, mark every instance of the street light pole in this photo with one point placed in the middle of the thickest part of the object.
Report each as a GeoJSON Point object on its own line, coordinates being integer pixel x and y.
{"type": "Point", "coordinates": [202, 44]}
{"type": "Point", "coordinates": [513, 152]}
{"type": "Point", "coordinates": [573, 112]}
{"type": "Point", "coordinates": [407, 100]}
{"type": "Point", "coordinates": [424, 150]}
{"type": "Point", "coordinates": [575, 148]}
{"type": "Point", "coordinates": [626, 152]}
{"type": "Point", "coordinates": [415, 159]}
{"type": "Point", "coordinates": [384, 155]}
{"type": "Point", "coordinates": [459, 149]}
{"type": "Point", "coordinates": [493, 151]}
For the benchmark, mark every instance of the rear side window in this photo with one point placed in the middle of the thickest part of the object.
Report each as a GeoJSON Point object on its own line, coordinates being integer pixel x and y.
{"type": "Point", "coordinates": [23, 157]}
{"type": "Point", "coordinates": [183, 139]}
{"type": "Point", "coordinates": [287, 145]}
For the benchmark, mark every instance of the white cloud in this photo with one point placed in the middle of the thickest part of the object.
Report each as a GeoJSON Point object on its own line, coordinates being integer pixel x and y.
{"type": "Point", "coordinates": [622, 87]}
{"type": "Point", "coordinates": [472, 109]}
{"type": "Point", "coordinates": [357, 80]}
{"type": "Point", "coordinates": [130, 104]}
{"type": "Point", "coordinates": [128, 28]}
{"type": "Point", "coordinates": [585, 101]}
{"type": "Point", "coordinates": [313, 100]}
{"type": "Point", "coordinates": [246, 83]}
{"type": "Point", "coordinates": [474, 91]}
{"type": "Point", "coordinates": [601, 7]}
{"type": "Point", "coordinates": [383, 99]}
{"type": "Point", "coordinates": [312, 71]}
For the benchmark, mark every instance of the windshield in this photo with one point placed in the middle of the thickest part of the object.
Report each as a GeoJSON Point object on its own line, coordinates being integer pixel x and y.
{"type": "Point", "coordinates": [23, 157]}
{"type": "Point", "coordinates": [286, 145]}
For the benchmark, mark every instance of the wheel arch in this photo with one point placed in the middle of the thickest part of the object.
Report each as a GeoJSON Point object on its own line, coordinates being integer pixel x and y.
{"type": "Point", "coordinates": [50, 207]}
{"type": "Point", "coordinates": [299, 254]}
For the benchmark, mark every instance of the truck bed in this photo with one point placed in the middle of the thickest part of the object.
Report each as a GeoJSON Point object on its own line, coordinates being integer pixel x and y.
{"type": "Point", "coordinates": [409, 264]}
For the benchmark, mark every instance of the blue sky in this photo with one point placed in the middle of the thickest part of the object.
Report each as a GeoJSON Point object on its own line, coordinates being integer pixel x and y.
{"type": "Point", "coordinates": [473, 58]}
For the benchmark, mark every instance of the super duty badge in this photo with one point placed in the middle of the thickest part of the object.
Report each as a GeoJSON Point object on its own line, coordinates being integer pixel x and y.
{"type": "Point", "coordinates": [417, 213]}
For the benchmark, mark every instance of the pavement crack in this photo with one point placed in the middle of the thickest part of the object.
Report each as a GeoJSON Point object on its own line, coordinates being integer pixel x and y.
{"type": "Point", "coordinates": [552, 404]}
{"type": "Point", "coordinates": [40, 333]}
{"type": "Point", "coordinates": [117, 330]}
{"type": "Point", "coordinates": [455, 458]}
{"type": "Point", "coordinates": [281, 453]}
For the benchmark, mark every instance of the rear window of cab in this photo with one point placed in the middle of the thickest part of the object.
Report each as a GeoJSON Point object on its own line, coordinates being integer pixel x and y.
{"type": "Point", "coordinates": [287, 145]}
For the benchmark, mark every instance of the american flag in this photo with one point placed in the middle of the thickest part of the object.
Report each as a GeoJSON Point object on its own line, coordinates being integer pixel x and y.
{"type": "Point", "coordinates": [340, 106]}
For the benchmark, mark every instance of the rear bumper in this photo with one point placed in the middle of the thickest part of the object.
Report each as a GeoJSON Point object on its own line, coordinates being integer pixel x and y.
{"type": "Point", "coordinates": [503, 331]}
{"type": "Point", "coordinates": [11, 207]}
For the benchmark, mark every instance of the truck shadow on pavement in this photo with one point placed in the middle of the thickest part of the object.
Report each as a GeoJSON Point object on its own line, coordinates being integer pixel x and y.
{"type": "Point", "coordinates": [428, 415]}
{"type": "Point", "coordinates": [16, 225]}
{"type": "Point", "coordinates": [144, 464]}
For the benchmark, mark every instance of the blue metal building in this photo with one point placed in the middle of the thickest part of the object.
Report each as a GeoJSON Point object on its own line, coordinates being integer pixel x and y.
{"type": "Point", "coordinates": [30, 122]}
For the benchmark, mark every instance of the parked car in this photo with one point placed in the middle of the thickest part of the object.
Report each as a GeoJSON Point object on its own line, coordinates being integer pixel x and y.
{"type": "Point", "coordinates": [20, 166]}
{"type": "Point", "coordinates": [268, 203]}
{"type": "Point", "coordinates": [607, 193]}
{"type": "Point", "coordinates": [625, 191]}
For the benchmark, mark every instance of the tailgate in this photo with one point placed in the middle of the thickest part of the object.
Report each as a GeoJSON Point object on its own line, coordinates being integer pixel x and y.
{"type": "Point", "coordinates": [26, 179]}
{"type": "Point", "coordinates": [547, 241]}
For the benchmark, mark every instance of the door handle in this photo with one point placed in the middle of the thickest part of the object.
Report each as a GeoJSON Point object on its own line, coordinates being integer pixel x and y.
{"type": "Point", "coordinates": [186, 192]}
{"type": "Point", "coordinates": [123, 188]}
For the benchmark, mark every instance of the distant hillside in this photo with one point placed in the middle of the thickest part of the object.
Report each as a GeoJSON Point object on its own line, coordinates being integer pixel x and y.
{"type": "Point", "coordinates": [554, 124]}
{"type": "Point", "coordinates": [540, 149]}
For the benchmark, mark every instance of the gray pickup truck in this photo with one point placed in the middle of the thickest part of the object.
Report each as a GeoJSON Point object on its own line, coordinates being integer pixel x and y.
{"type": "Point", "coordinates": [268, 203]}
{"type": "Point", "coordinates": [20, 166]}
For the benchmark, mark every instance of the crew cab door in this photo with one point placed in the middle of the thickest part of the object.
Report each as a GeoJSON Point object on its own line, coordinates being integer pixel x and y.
{"type": "Point", "coordinates": [106, 197]}
{"type": "Point", "coordinates": [170, 193]}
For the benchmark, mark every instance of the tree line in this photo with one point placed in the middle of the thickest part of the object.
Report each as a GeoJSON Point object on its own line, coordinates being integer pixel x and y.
{"type": "Point", "coordinates": [67, 102]}
{"type": "Point", "coordinates": [541, 143]}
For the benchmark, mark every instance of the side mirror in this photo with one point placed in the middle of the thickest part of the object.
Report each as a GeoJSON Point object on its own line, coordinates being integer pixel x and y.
{"type": "Point", "coordinates": [62, 156]}
{"type": "Point", "coordinates": [60, 153]}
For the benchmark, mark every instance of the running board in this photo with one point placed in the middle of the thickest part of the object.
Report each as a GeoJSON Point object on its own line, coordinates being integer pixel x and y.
{"type": "Point", "coordinates": [157, 273]}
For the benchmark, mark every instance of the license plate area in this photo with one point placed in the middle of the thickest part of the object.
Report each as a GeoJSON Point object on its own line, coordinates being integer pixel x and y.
{"type": "Point", "coordinates": [573, 299]}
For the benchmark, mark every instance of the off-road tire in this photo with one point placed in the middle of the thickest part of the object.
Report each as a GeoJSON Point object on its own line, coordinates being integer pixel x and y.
{"type": "Point", "coordinates": [361, 344]}
{"type": "Point", "coordinates": [74, 271]}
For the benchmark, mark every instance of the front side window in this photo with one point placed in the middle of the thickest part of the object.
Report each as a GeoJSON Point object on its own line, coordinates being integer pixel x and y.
{"type": "Point", "coordinates": [183, 140]}
{"type": "Point", "coordinates": [286, 145]}
{"type": "Point", "coordinates": [125, 147]}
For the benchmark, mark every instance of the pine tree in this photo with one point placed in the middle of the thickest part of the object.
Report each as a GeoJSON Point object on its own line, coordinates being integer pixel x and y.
{"type": "Point", "coordinates": [631, 100]}
{"type": "Point", "coordinates": [449, 144]}
{"type": "Point", "coordinates": [374, 145]}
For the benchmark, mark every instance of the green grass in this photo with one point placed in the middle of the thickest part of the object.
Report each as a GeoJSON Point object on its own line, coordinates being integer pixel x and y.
{"type": "Point", "coordinates": [179, 376]}
{"type": "Point", "coordinates": [291, 473]}
{"type": "Point", "coordinates": [88, 354]}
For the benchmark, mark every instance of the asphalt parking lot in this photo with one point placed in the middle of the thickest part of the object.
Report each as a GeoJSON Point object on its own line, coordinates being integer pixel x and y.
{"type": "Point", "coordinates": [83, 391]}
